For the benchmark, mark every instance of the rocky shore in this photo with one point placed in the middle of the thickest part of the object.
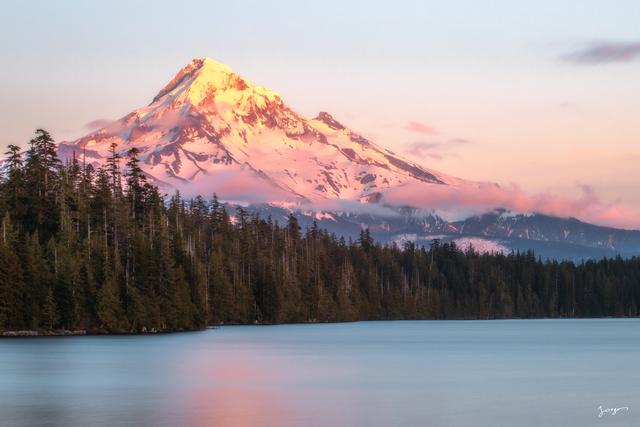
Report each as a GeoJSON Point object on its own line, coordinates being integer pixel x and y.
{"type": "Point", "coordinates": [95, 331]}
{"type": "Point", "coordinates": [43, 333]}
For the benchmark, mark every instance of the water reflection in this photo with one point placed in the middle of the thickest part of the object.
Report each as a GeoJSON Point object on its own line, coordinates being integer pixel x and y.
{"type": "Point", "coordinates": [228, 388]}
{"type": "Point", "coordinates": [525, 373]}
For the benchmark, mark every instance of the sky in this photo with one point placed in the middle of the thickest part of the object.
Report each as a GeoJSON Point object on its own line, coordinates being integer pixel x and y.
{"type": "Point", "coordinates": [542, 97]}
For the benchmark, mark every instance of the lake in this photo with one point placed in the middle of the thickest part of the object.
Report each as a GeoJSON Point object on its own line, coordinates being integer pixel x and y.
{"type": "Point", "coordinates": [413, 373]}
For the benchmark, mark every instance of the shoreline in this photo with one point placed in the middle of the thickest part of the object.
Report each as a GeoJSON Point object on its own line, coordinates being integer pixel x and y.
{"type": "Point", "coordinates": [27, 333]}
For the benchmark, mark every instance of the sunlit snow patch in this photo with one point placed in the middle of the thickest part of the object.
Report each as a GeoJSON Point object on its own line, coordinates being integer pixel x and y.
{"type": "Point", "coordinates": [480, 245]}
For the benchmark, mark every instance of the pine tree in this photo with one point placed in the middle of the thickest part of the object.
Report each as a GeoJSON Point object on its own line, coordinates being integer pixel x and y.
{"type": "Point", "coordinates": [113, 169]}
{"type": "Point", "coordinates": [50, 310]}
{"type": "Point", "coordinates": [135, 184]}
{"type": "Point", "coordinates": [109, 306]}
{"type": "Point", "coordinates": [13, 187]}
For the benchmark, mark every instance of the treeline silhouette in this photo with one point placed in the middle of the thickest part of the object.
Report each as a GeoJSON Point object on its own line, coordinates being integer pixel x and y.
{"type": "Point", "coordinates": [86, 248]}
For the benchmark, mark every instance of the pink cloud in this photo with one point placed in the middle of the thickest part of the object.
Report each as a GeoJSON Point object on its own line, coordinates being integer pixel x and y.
{"type": "Point", "coordinates": [419, 127]}
{"type": "Point", "coordinates": [483, 197]}
{"type": "Point", "coordinates": [237, 185]}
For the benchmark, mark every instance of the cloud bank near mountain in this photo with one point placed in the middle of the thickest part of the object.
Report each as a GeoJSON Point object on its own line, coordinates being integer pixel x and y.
{"type": "Point", "coordinates": [456, 202]}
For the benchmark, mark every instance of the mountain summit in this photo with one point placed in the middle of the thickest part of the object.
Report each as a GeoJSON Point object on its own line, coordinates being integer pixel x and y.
{"type": "Point", "coordinates": [210, 130]}
{"type": "Point", "coordinates": [206, 79]}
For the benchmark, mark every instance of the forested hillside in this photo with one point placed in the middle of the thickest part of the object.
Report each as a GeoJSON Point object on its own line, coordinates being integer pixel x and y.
{"type": "Point", "coordinates": [102, 249]}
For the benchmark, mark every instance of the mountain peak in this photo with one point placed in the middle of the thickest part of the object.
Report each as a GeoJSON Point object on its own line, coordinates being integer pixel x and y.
{"type": "Point", "coordinates": [207, 71]}
{"type": "Point", "coordinates": [203, 77]}
{"type": "Point", "coordinates": [210, 130]}
{"type": "Point", "coordinates": [210, 65]}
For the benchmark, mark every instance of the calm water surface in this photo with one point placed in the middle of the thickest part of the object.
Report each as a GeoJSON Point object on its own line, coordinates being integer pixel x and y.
{"type": "Point", "coordinates": [439, 373]}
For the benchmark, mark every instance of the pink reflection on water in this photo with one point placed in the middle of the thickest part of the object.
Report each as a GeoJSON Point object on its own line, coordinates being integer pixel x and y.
{"type": "Point", "coordinates": [236, 389]}
{"type": "Point", "coordinates": [237, 407]}
{"type": "Point", "coordinates": [280, 383]}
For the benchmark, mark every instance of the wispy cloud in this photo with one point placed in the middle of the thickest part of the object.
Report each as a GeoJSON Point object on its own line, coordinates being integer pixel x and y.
{"type": "Point", "coordinates": [420, 148]}
{"type": "Point", "coordinates": [435, 150]}
{"type": "Point", "coordinates": [97, 124]}
{"type": "Point", "coordinates": [603, 53]}
{"type": "Point", "coordinates": [239, 185]}
{"type": "Point", "coordinates": [420, 127]}
{"type": "Point", "coordinates": [460, 141]}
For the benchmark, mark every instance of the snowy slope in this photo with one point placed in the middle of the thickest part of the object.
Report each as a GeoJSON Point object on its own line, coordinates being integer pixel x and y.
{"type": "Point", "coordinates": [497, 231]}
{"type": "Point", "coordinates": [209, 130]}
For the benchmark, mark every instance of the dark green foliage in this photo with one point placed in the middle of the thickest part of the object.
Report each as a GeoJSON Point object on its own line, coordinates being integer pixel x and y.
{"type": "Point", "coordinates": [80, 251]}
{"type": "Point", "coordinates": [50, 310]}
{"type": "Point", "coordinates": [109, 307]}
{"type": "Point", "coordinates": [11, 280]}
{"type": "Point", "coordinates": [77, 250]}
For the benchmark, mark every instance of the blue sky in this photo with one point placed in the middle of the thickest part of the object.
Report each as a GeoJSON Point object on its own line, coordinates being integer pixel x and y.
{"type": "Point", "coordinates": [514, 79]}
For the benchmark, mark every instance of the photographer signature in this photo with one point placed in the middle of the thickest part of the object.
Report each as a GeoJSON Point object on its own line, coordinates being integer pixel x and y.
{"type": "Point", "coordinates": [611, 411]}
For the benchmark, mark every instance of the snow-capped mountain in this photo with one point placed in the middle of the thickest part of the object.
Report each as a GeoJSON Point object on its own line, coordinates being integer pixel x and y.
{"type": "Point", "coordinates": [209, 130]}
{"type": "Point", "coordinates": [498, 231]}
